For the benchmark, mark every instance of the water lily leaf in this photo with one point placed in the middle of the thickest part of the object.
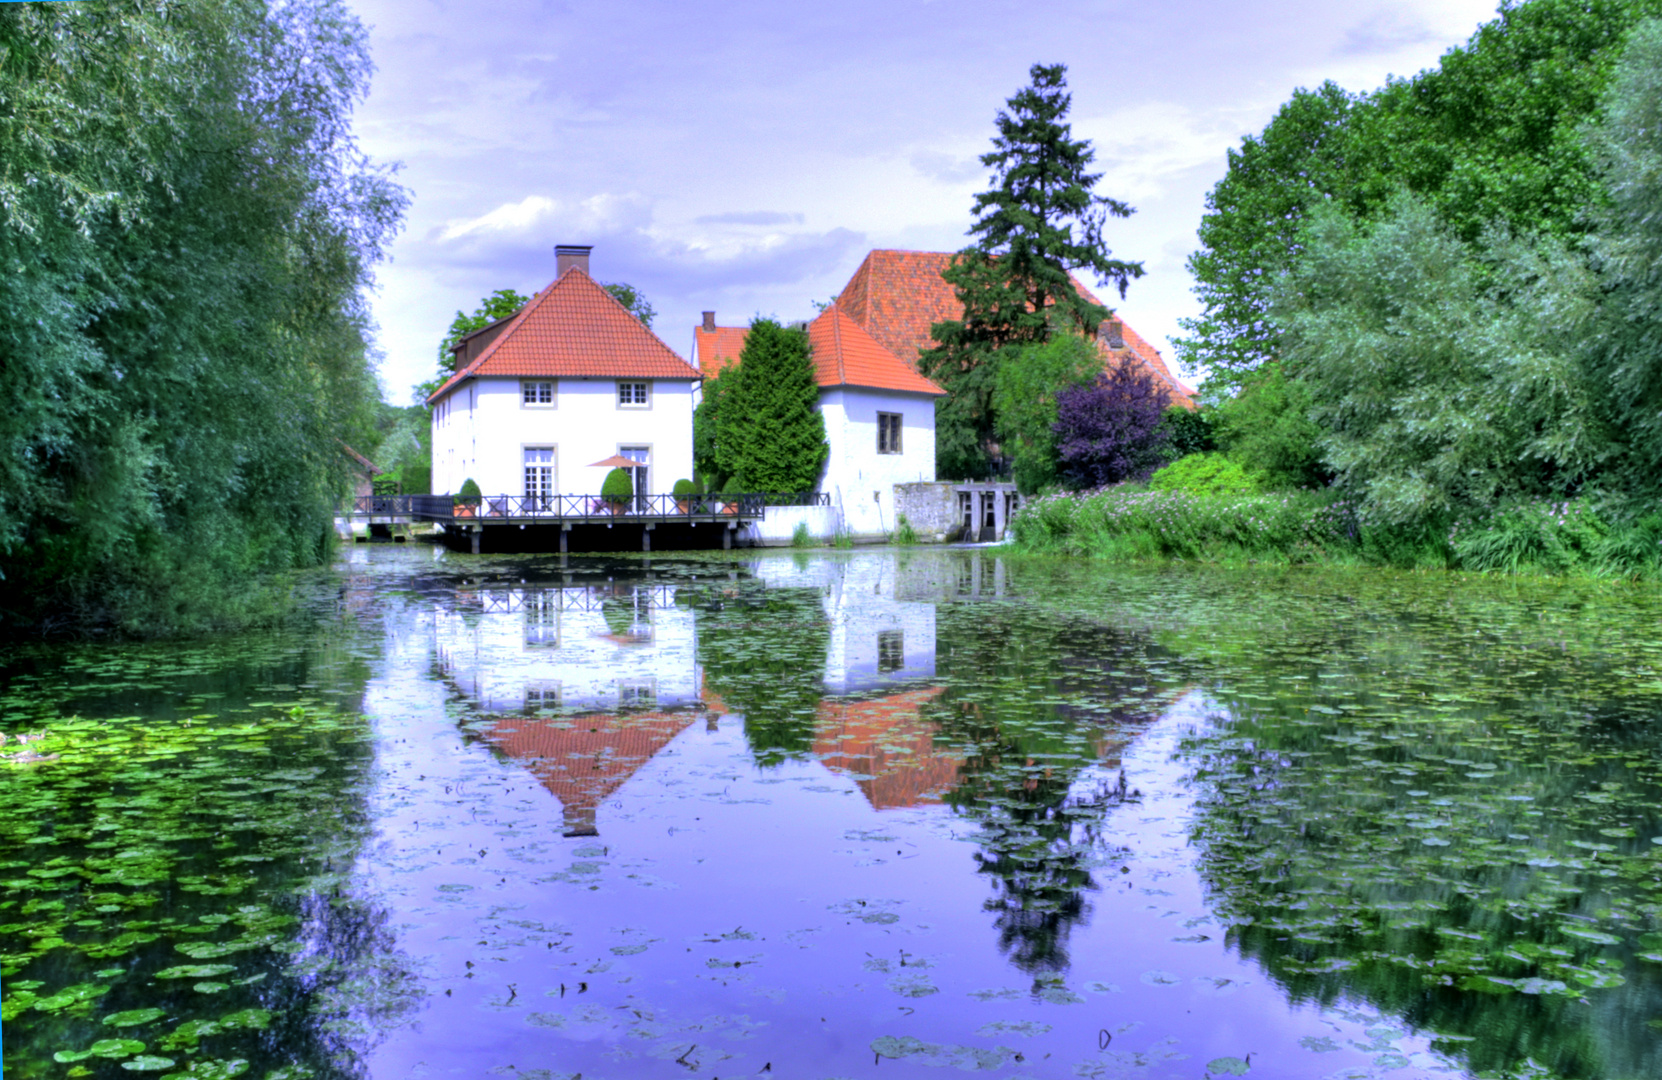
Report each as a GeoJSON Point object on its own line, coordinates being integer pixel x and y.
{"type": "Point", "coordinates": [195, 971]}
{"type": "Point", "coordinates": [1228, 1066]}
{"type": "Point", "coordinates": [148, 1063]}
{"type": "Point", "coordinates": [133, 1017]}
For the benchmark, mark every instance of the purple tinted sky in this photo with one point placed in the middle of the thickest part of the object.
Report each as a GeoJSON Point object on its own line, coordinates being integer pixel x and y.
{"type": "Point", "coordinates": [745, 156]}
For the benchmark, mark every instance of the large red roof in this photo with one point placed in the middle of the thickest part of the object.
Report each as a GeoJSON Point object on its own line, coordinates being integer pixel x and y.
{"type": "Point", "coordinates": [898, 295]}
{"type": "Point", "coordinates": [574, 328]}
{"type": "Point", "coordinates": [844, 355]}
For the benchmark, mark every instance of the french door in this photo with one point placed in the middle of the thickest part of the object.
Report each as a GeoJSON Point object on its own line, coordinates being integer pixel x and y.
{"type": "Point", "coordinates": [642, 457]}
{"type": "Point", "coordinates": [539, 477]}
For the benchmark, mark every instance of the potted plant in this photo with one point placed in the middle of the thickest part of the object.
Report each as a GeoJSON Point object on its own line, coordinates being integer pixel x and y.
{"type": "Point", "coordinates": [467, 502]}
{"type": "Point", "coordinates": [730, 492]}
{"type": "Point", "coordinates": [683, 492]}
{"type": "Point", "coordinates": [617, 490]}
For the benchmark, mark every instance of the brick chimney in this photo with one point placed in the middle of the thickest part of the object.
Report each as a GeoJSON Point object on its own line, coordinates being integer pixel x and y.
{"type": "Point", "coordinates": [1112, 333]}
{"type": "Point", "coordinates": [569, 256]}
{"type": "Point", "coordinates": [709, 321]}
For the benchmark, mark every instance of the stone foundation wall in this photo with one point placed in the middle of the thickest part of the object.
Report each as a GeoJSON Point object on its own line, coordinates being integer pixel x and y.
{"type": "Point", "coordinates": [932, 508]}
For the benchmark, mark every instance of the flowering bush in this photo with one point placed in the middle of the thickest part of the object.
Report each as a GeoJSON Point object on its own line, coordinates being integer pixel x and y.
{"type": "Point", "coordinates": [1128, 522]}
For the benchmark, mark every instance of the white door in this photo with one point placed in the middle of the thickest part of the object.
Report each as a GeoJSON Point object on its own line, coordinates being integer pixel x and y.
{"type": "Point", "coordinates": [539, 477]}
{"type": "Point", "coordinates": [642, 456]}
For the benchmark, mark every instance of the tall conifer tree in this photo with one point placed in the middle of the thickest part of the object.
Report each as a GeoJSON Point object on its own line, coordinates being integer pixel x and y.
{"type": "Point", "coordinates": [1039, 220]}
{"type": "Point", "coordinates": [771, 430]}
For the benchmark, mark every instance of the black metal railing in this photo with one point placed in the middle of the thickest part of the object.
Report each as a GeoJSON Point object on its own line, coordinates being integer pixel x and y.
{"type": "Point", "coordinates": [574, 507]}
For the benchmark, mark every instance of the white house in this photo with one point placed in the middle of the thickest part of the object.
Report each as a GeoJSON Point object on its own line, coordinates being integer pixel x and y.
{"type": "Point", "coordinates": [879, 414]}
{"type": "Point", "coordinates": [570, 379]}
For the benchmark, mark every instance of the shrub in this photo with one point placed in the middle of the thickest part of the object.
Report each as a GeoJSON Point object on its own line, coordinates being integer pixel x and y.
{"type": "Point", "coordinates": [1204, 474]}
{"type": "Point", "coordinates": [800, 537]}
{"type": "Point", "coordinates": [682, 489]}
{"type": "Point", "coordinates": [1267, 429]}
{"type": "Point", "coordinates": [1548, 537]}
{"type": "Point", "coordinates": [1024, 399]}
{"type": "Point", "coordinates": [903, 532]}
{"type": "Point", "coordinates": [617, 487]}
{"type": "Point", "coordinates": [770, 432]}
{"type": "Point", "coordinates": [842, 540]}
{"type": "Point", "coordinates": [470, 489]}
{"type": "Point", "coordinates": [1109, 430]}
{"type": "Point", "coordinates": [1130, 524]}
{"type": "Point", "coordinates": [699, 487]}
{"type": "Point", "coordinates": [1188, 431]}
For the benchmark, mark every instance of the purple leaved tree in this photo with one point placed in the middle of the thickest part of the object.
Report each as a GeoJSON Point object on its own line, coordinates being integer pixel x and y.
{"type": "Point", "coordinates": [1109, 430]}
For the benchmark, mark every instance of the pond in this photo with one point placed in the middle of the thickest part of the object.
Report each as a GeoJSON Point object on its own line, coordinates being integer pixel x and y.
{"type": "Point", "coordinates": [894, 813]}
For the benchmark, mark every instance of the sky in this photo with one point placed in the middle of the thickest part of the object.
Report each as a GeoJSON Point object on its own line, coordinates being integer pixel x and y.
{"type": "Point", "coordinates": [743, 157]}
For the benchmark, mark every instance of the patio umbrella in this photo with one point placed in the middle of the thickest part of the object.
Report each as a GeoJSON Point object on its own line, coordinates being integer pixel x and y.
{"type": "Point", "coordinates": [616, 461]}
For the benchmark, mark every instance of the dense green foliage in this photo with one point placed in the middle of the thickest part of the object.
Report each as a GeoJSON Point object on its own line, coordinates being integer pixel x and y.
{"type": "Point", "coordinates": [1024, 402]}
{"type": "Point", "coordinates": [1040, 220]}
{"type": "Point", "coordinates": [633, 299]}
{"type": "Point", "coordinates": [1493, 134]}
{"type": "Point", "coordinates": [1441, 298]}
{"type": "Point", "coordinates": [709, 461]}
{"type": "Point", "coordinates": [770, 434]}
{"type": "Point", "coordinates": [469, 490]}
{"type": "Point", "coordinates": [618, 487]}
{"type": "Point", "coordinates": [682, 489]}
{"type": "Point", "coordinates": [1205, 474]}
{"type": "Point", "coordinates": [1189, 431]}
{"type": "Point", "coordinates": [187, 229]}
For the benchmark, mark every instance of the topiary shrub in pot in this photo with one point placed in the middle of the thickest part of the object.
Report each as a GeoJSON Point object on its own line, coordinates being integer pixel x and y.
{"type": "Point", "coordinates": [617, 490]}
{"type": "Point", "coordinates": [467, 500]}
{"type": "Point", "coordinates": [683, 492]}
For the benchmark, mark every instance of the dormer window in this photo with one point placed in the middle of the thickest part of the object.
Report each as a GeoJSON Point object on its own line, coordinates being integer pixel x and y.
{"type": "Point", "coordinates": [634, 395]}
{"type": "Point", "coordinates": [536, 393]}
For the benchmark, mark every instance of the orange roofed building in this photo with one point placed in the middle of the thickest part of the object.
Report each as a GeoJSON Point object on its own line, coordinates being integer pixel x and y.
{"type": "Point", "coordinates": [570, 379]}
{"type": "Point", "coordinates": [879, 413]}
{"type": "Point", "coordinates": [896, 296]}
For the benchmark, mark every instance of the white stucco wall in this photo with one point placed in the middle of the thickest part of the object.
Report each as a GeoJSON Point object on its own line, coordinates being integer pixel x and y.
{"type": "Point", "coordinates": [556, 645]}
{"type": "Point", "coordinates": [855, 470]}
{"type": "Point", "coordinates": [481, 429]}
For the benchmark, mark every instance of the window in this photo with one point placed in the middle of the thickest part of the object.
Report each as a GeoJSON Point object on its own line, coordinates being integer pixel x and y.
{"type": "Point", "coordinates": [633, 395]}
{"type": "Point", "coordinates": [541, 697]}
{"type": "Point", "coordinates": [536, 392]}
{"type": "Point", "coordinates": [888, 433]}
{"type": "Point", "coordinates": [637, 695]}
{"type": "Point", "coordinates": [891, 650]}
{"type": "Point", "coordinates": [539, 477]}
{"type": "Point", "coordinates": [542, 619]}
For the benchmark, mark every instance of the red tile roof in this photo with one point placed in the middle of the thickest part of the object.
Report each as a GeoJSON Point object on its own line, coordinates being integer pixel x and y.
{"type": "Point", "coordinates": [575, 328]}
{"type": "Point", "coordinates": [898, 295]}
{"type": "Point", "coordinates": [583, 759]}
{"type": "Point", "coordinates": [844, 355]}
{"type": "Point", "coordinates": [887, 742]}
{"type": "Point", "coordinates": [717, 348]}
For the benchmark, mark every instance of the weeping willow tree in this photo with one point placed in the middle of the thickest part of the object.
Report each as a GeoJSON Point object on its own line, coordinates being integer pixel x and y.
{"type": "Point", "coordinates": [187, 228]}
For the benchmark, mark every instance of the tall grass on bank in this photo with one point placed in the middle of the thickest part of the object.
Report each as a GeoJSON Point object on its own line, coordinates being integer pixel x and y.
{"type": "Point", "coordinates": [1130, 524]}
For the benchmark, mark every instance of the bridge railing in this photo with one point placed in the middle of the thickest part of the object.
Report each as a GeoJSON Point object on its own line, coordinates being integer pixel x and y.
{"type": "Point", "coordinates": [577, 507]}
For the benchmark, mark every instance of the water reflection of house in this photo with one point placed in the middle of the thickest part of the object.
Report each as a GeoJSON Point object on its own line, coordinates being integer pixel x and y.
{"type": "Point", "coordinates": [595, 647]}
{"type": "Point", "coordinates": [887, 746]}
{"type": "Point", "coordinates": [582, 760]}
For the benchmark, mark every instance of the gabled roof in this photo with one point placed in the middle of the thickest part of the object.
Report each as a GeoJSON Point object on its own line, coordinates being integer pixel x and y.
{"type": "Point", "coordinates": [844, 355]}
{"type": "Point", "coordinates": [715, 349]}
{"type": "Point", "coordinates": [574, 328]}
{"type": "Point", "coordinates": [898, 295]}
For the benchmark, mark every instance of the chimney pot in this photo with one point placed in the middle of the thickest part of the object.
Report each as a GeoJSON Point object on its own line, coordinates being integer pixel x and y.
{"type": "Point", "coordinates": [571, 256]}
{"type": "Point", "coordinates": [709, 320]}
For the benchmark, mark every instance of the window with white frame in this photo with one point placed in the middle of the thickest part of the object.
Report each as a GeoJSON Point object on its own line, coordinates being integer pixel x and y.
{"type": "Point", "coordinates": [888, 433]}
{"type": "Point", "coordinates": [539, 476]}
{"type": "Point", "coordinates": [534, 393]}
{"type": "Point", "coordinates": [634, 395]}
{"type": "Point", "coordinates": [542, 697]}
{"type": "Point", "coordinates": [637, 694]}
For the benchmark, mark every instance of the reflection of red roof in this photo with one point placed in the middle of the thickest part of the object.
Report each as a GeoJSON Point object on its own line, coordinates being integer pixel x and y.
{"type": "Point", "coordinates": [717, 348]}
{"type": "Point", "coordinates": [582, 760]}
{"type": "Point", "coordinates": [898, 295]}
{"type": "Point", "coordinates": [887, 740]}
{"type": "Point", "coordinates": [577, 329]}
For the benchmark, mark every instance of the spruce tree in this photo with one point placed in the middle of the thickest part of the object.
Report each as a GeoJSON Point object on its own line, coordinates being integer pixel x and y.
{"type": "Point", "coordinates": [1039, 220]}
{"type": "Point", "coordinates": [771, 432]}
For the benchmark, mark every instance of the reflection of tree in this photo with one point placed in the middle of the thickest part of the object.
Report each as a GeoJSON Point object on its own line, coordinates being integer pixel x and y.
{"type": "Point", "coordinates": [1500, 904]}
{"type": "Point", "coordinates": [1030, 702]}
{"type": "Point", "coordinates": [763, 651]}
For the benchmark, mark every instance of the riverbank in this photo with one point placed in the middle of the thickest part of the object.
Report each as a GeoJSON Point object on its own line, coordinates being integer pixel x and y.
{"type": "Point", "coordinates": [1132, 524]}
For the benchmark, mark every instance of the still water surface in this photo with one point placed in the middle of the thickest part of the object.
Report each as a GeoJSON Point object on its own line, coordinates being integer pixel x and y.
{"type": "Point", "coordinates": [886, 814]}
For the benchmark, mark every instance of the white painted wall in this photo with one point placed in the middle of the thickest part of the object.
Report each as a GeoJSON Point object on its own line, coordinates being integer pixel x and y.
{"type": "Point", "coordinates": [481, 429]}
{"type": "Point", "coordinates": [855, 470]}
{"type": "Point", "coordinates": [528, 642]}
{"type": "Point", "coordinates": [878, 640]}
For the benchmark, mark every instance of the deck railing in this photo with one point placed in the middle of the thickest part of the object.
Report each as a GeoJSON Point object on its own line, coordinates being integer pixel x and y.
{"type": "Point", "coordinates": [484, 508]}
